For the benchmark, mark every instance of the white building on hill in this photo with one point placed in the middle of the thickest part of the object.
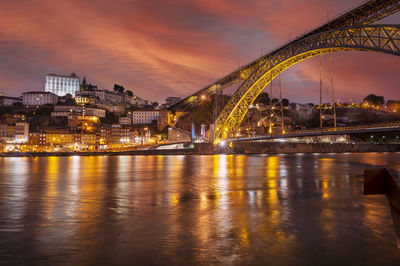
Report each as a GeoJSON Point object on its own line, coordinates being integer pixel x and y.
{"type": "Point", "coordinates": [62, 85]}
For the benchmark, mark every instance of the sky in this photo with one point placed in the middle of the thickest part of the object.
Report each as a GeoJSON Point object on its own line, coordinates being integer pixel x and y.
{"type": "Point", "coordinates": [161, 48]}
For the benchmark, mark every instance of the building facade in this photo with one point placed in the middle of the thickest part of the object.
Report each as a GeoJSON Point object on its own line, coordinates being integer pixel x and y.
{"type": "Point", "coordinates": [7, 132]}
{"type": "Point", "coordinates": [125, 120]}
{"type": "Point", "coordinates": [35, 98]}
{"type": "Point", "coordinates": [21, 132]}
{"type": "Point", "coordinates": [66, 110]}
{"type": "Point", "coordinates": [178, 135]}
{"type": "Point", "coordinates": [14, 133]}
{"type": "Point", "coordinates": [62, 85]}
{"type": "Point", "coordinates": [7, 101]}
{"type": "Point", "coordinates": [37, 138]}
{"type": "Point", "coordinates": [100, 97]}
{"type": "Point", "coordinates": [144, 117]}
{"type": "Point", "coordinates": [164, 119]}
{"type": "Point", "coordinates": [172, 100]}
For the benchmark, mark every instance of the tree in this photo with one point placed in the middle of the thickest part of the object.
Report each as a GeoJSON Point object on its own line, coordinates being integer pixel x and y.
{"type": "Point", "coordinates": [373, 99]}
{"type": "Point", "coordinates": [109, 118]}
{"type": "Point", "coordinates": [275, 101]}
{"type": "Point", "coordinates": [118, 88]}
{"type": "Point", "coordinates": [90, 87]}
{"type": "Point", "coordinates": [313, 121]}
{"type": "Point", "coordinates": [69, 100]}
{"type": "Point", "coordinates": [285, 102]}
{"type": "Point", "coordinates": [263, 98]}
{"type": "Point", "coordinates": [129, 93]}
{"type": "Point", "coordinates": [84, 84]}
{"type": "Point", "coordinates": [18, 104]}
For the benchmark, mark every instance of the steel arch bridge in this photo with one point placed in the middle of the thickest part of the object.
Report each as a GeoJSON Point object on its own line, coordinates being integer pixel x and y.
{"type": "Point", "coordinates": [365, 14]}
{"type": "Point", "coordinates": [378, 38]}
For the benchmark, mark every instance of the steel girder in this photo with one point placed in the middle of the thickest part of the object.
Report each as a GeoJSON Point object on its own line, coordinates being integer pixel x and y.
{"type": "Point", "coordinates": [366, 13]}
{"type": "Point", "coordinates": [379, 38]}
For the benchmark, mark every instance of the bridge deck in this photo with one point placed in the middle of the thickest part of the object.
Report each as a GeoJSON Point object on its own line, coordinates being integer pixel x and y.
{"type": "Point", "coordinates": [326, 131]}
{"type": "Point", "coordinates": [367, 13]}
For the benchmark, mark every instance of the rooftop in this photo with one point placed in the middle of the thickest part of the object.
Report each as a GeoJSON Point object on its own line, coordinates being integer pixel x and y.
{"type": "Point", "coordinates": [9, 97]}
{"type": "Point", "coordinates": [38, 92]}
{"type": "Point", "coordinates": [73, 75]}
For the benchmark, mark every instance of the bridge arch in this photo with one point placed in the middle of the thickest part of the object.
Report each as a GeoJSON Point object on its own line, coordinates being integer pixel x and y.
{"type": "Point", "coordinates": [378, 38]}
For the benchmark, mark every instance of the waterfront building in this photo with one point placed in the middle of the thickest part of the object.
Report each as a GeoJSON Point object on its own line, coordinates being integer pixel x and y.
{"type": "Point", "coordinates": [125, 135]}
{"type": "Point", "coordinates": [69, 138]}
{"type": "Point", "coordinates": [7, 132]}
{"type": "Point", "coordinates": [144, 117]}
{"type": "Point", "coordinates": [37, 138]}
{"type": "Point", "coordinates": [36, 98]}
{"type": "Point", "coordinates": [15, 132]}
{"type": "Point", "coordinates": [116, 133]}
{"type": "Point", "coordinates": [88, 139]}
{"type": "Point", "coordinates": [62, 85]}
{"type": "Point", "coordinates": [104, 135]}
{"type": "Point", "coordinates": [8, 101]}
{"type": "Point", "coordinates": [21, 132]}
{"type": "Point", "coordinates": [62, 138]}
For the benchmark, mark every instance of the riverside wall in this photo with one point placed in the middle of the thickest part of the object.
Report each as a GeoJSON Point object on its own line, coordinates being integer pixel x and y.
{"type": "Point", "coordinates": [274, 148]}
{"type": "Point", "coordinates": [237, 148]}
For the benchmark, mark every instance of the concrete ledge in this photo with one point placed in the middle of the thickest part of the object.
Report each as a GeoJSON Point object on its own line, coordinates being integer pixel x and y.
{"type": "Point", "coordinates": [380, 181]}
{"type": "Point", "coordinates": [274, 148]}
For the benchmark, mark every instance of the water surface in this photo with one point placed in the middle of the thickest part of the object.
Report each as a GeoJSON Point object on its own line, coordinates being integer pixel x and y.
{"type": "Point", "coordinates": [223, 209]}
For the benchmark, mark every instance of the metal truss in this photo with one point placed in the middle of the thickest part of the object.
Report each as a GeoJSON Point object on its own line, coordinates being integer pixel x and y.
{"type": "Point", "coordinates": [276, 119]}
{"type": "Point", "coordinates": [367, 13]}
{"type": "Point", "coordinates": [378, 38]}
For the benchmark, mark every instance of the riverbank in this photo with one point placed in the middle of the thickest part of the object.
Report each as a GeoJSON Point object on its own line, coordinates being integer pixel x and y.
{"type": "Point", "coordinates": [237, 148]}
{"type": "Point", "coordinates": [100, 153]}
{"type": "Point", "coordinates": [289, 148]}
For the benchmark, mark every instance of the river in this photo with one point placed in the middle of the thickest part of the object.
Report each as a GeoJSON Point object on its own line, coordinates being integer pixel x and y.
{"type": "Point", "coordinates": [300, 209]}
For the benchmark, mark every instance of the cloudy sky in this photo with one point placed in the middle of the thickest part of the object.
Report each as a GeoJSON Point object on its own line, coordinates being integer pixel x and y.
{"type": "Point", "coordinates": [160, 48]}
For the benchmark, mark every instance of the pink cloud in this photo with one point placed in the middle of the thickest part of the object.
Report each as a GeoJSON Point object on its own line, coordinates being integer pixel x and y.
{"type": "Point", "coordinates": [158, 48]}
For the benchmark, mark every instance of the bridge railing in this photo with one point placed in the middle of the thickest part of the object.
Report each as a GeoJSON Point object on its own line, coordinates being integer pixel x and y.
{"type": "Point", "coordinates": [378, 181]}
{"type": "Point", "coordinates": [393, 124]}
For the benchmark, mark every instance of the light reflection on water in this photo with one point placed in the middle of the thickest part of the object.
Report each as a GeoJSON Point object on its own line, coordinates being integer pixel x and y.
{"type": "Point", "coordinates": [281, 209]}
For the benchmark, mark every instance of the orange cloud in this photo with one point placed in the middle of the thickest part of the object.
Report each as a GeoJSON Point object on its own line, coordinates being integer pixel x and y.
{"type": "Point", "coordinates": [158, 48]}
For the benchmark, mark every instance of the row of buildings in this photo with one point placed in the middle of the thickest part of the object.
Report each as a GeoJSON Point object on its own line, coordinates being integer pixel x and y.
{"type": "Point", "coordinates": [14, 130]}
{"type": "Point", "coordinates": [58, 86]}
{"type": "Point", "coordinates": [69, 114]}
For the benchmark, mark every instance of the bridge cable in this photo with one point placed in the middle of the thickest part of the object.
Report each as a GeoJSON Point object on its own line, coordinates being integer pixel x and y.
{"type": "Point", "coordinates": [280, 98]}
{"type": "Point", "coordinates": [320, 90]}
{"type": "Point", "coordinates": [333, 89]}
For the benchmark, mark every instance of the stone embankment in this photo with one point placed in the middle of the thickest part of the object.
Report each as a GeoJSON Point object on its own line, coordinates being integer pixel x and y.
{"type": "Point", "coordinates": [274, 148]}
{"type": "Point", "coordinates": [237, 148]}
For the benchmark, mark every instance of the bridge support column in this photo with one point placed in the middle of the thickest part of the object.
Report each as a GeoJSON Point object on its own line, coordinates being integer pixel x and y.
{"type": "Point", "coordinates": [380, 181]}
